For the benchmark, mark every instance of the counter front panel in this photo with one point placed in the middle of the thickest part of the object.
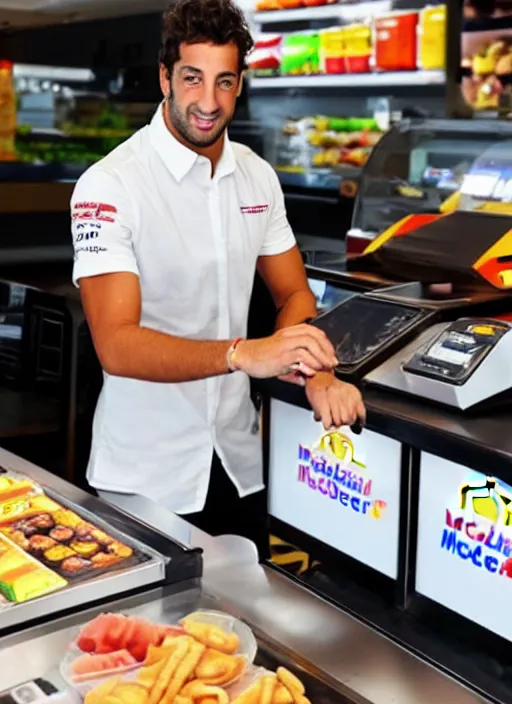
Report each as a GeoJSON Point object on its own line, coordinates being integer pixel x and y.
{"type": "Point", "coordinates": [339, 488]}
{"type": "Point", "coordinates": [464, 551]}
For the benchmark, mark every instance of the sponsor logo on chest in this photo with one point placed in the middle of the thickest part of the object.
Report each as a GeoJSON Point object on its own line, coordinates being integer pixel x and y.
{"type": "Point", "coordinates": [253, 209]}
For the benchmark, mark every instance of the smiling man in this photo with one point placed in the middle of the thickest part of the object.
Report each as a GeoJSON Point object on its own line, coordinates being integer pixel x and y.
{"type": "Point", "coordinates": [169, 230]}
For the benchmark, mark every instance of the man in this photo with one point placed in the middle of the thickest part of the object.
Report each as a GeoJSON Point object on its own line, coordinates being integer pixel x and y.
{"type": "Point", "coordinates": [168, 231]}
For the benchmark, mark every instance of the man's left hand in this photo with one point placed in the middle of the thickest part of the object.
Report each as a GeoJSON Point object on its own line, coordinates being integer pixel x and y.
{"type": "Point", "coordinates": [334, 402]}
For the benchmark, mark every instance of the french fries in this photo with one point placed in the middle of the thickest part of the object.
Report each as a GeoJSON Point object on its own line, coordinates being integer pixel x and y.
{"type": "Point", "coordinates": [282, 688]}
{"type": "Point", "coordinates": [196, 668]}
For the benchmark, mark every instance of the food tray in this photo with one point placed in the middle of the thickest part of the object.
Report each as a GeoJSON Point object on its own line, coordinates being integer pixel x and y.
{"type": "Point", "coordinates": [64, 541]}
{"type": "Point", "coordinates": [247, 648]}
{"type": "Point", "coordinates": [142, 568]}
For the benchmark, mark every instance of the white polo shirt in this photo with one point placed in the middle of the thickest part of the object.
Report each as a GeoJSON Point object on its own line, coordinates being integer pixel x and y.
{"type": "Point", "coordinates": [151, 208]}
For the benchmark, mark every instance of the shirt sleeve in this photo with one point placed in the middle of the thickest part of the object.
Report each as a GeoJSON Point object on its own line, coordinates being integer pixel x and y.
{"type": "Point", "coordinates": [279, 237]}
{"type": "Point", "coordinates": [101, 226]}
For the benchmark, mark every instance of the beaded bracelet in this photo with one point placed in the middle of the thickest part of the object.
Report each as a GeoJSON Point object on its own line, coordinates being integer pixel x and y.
{"type": "Point", "coordinates": [231, 354]}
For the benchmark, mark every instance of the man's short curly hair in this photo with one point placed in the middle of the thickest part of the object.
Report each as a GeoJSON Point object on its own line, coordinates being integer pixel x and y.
{"type": "Point", "coordinates": [195, 21]}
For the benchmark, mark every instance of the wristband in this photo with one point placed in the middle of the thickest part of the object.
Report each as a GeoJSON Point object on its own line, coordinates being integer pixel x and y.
{"type": "Point", "coordinates": [230, 357]}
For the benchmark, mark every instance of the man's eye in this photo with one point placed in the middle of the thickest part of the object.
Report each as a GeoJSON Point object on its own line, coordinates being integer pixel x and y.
{"type": "Point", "coordinates": [191, 80]}
{"type": "Point", "coordinates": [226, 84]}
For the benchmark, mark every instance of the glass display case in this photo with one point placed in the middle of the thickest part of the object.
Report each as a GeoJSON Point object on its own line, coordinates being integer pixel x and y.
{"type": "Point", "coordinates": [434, 166]}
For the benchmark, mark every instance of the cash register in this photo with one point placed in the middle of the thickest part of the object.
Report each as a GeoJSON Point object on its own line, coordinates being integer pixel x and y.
{"type": "Point", "coordinates": [442, 330]}
{"type": "Point", "coordinates": [465, 364]}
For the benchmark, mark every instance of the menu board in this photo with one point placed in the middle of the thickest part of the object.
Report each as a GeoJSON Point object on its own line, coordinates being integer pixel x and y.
{"type": "Point", "coordinates": [340, 488]}
{"type": "Point", "coordinates": [464, 555]}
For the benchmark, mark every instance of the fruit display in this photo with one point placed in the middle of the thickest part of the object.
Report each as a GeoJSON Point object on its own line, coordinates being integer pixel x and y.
{"type": "Point", "coordinates": [44, 545]}
{"type": "Point", "coordinates": [326, 142]}
{"type": "Point", "coordinates": [206, 659]}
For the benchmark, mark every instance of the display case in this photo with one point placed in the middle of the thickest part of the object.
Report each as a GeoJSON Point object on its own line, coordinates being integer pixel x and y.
{"type": "Point", "coordinates": [63, 549]}
{"type": "Point", "coordinates": [425, 166]}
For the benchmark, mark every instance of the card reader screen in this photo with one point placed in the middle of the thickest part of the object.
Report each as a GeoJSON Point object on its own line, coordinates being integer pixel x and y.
{"type": "Point", "coordinates": [455, 353]}
{"type": "Point", "coordinates": [454, 349]}
{"type": "Point", "coordinates": [361, 326]}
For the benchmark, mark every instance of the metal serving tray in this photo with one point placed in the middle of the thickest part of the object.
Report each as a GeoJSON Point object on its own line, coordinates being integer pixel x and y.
{"type": "Point", "coordinates": [150, 571]}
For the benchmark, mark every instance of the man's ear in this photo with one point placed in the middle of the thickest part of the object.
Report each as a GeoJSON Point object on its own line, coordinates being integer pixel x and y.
{"type": "Point", "coordinates": [165, 81]}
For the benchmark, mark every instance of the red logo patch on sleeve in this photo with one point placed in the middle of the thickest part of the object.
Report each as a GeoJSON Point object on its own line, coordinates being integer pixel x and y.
{"type": "Point", "coordinates": [101, 212]}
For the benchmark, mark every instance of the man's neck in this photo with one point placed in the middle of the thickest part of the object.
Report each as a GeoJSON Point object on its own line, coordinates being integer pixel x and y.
{"type": "Point", "coordinates": [213, 152]}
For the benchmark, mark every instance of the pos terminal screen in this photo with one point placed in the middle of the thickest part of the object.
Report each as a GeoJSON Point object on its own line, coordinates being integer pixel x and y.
{"type": "Point", "coordinates": [360, 326]}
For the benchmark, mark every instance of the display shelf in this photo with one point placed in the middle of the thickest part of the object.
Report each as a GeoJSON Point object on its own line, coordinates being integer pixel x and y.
{"type": "Point", "coordinates": [347, 12]}
{"type": "Point", "coordinates": [354, 80]}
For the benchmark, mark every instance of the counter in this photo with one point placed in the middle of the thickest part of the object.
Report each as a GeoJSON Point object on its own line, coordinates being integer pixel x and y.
{"type": "Point", "coordinates": [345, 660]}
{"type": "Point", "coordinates": [414, 573]}
{"type": "Point", "coordinates": [340, 658]}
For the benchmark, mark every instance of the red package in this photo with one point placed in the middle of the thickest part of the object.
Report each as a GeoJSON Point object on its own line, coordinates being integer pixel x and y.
{"type": "Point", "coordinates": [395, 47]}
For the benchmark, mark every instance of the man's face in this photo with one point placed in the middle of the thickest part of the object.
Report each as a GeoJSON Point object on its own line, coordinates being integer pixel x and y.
{"type": "Point", "coordinates": [202, 92]}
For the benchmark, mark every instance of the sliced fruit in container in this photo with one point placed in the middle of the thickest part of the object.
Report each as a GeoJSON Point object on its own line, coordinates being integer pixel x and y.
{"type": "Point", "coordinates": [87, 667]}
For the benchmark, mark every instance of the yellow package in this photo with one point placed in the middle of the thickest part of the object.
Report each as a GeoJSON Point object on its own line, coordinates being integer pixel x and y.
{"type": "Point", "coordinates": [432, 38]}
{"type": "Point", "coordinates": [22, 577]}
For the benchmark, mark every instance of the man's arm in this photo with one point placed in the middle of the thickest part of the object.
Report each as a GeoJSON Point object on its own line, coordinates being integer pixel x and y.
{"type": "Point", "coordinates": [285, 277]}
{"type": "Point", "coordinates": [334, 402]}
{"type": "Point", "coordinates": [112, 304]}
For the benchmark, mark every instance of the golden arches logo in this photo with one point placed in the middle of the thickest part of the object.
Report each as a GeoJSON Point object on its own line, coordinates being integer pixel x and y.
{"type": "Point", "coordinates": [488, 499]}
{"type": "Point", "coordinates": [338, 445]}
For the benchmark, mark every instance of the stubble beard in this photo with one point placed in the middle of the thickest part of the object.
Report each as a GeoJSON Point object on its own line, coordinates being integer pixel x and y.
{"type": "Point", "coordinates": [182, 126]}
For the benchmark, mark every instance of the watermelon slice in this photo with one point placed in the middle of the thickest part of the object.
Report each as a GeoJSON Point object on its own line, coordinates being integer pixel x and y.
{"type": "Point", "coordinates": [109, 633]}
{"type": "Point", "coordinates": [90, 667]}
{"type": "Point", "coordinates": [89, 635]}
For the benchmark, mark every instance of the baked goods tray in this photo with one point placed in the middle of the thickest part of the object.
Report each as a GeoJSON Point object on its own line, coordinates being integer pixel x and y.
{"type": "Point", "coordinates": [144, 568]}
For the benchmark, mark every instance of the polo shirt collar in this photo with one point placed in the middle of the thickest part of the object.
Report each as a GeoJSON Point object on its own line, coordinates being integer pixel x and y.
{"type": "Point", "coordinates": [178, 158]}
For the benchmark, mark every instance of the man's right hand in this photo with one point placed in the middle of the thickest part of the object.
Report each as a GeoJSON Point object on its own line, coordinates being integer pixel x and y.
{"type": "Point", "coordinates": [301, 348]}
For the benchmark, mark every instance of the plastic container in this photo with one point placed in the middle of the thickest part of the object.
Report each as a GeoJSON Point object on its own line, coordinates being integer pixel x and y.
{"type": "Point", "coordinates": [252, 675]}
{"type": "Point", "coordinates": [395, 42]}
{"type": "Point", "coordinates": [83, 687]}
{"type": "Point", "coordinates": [248, 645]}
{"type": "Point", "coordinates": [432, 38]}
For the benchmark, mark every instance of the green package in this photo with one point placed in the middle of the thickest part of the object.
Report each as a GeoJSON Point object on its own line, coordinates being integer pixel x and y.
{"type": "Point", "coordinates": [300, 54]}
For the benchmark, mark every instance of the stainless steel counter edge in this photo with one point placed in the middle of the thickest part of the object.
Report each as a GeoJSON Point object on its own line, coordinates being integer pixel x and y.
{"type": "Point", "coordinates": [356, 660]}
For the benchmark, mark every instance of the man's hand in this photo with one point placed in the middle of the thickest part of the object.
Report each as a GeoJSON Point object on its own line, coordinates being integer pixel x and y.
{"type": "Point", "coordinates": [334, 402]}
{"type": "Point", "coordinates": [301, 348]}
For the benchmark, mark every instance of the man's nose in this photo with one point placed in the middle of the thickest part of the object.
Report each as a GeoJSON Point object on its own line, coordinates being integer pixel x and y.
{"type": "Point", "coordinates": [208, 101]}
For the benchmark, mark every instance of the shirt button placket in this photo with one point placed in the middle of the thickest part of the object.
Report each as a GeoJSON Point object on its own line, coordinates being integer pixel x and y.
{"type": "Point", "coordinates": [221, 255]}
